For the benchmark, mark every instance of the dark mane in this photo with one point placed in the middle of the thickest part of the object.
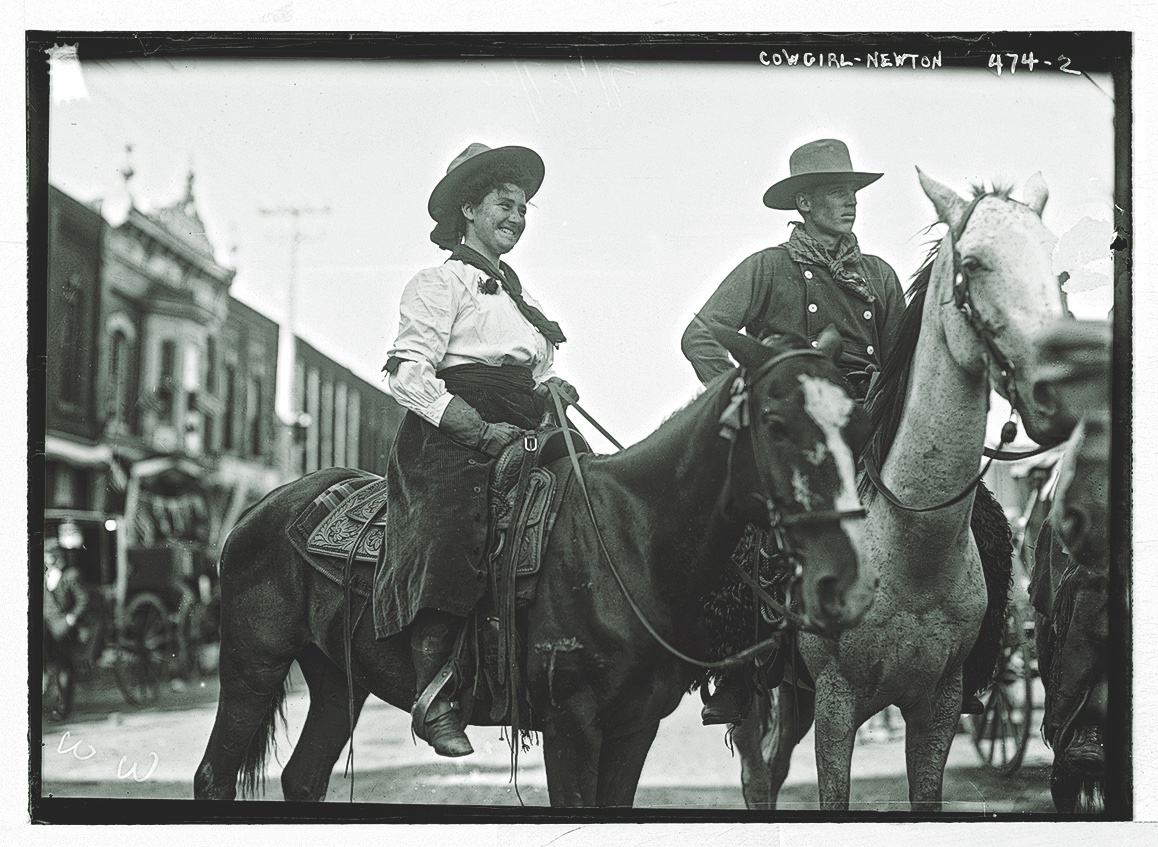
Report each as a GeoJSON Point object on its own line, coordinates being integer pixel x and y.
{"type": "Point", "coordinates": [887, 402]}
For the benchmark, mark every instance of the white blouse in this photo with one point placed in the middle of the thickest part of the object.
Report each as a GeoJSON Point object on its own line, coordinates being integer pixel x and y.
{"type": "Point", "coordinates": [446, 320]}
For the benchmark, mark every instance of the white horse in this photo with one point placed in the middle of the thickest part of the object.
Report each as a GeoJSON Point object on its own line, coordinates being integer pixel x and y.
{"type": "Point", "coordinates": [975, 310]}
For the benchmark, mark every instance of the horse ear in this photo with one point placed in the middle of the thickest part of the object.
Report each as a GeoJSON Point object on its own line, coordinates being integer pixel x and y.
{"type": "Point", "coordinates": [744, 349]}
{"type": "Point", "coordinates": [949, 205]}
{"type": "Point", "coordinates": [830, 343]}
{"type": "Point", "coordinates": [1036, 193]}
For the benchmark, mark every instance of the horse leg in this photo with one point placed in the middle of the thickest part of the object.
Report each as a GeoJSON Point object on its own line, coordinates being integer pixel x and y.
{"type": "Point", "coordinates": [252, 694]}
{"type": "Point", "coordinates": [620, 764]}
{"type": "Point", "coordinates": [571, 748]}
{"type": "Point", "coordinates": [327, 729]}
{"type": "Point", "coordinates": [836, 726]}
{"type": "Point", "coordinates": [929, 729]}
{"type": "Point", "coordinates": [792, 715]}
{"type": "Point", "coordinates": [751, 739]}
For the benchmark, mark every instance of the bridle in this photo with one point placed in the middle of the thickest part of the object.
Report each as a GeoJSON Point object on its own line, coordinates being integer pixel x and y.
{"type": "Point", "coordinates": [987, 335]}
{"type": "Point", "coordinates": [735, 419]}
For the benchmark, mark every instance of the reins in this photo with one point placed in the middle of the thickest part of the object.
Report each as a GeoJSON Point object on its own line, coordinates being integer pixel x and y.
{"type": "Point", "coordinates": [963, 301]}
{"type": "Point", "coordinates": [734, 419]}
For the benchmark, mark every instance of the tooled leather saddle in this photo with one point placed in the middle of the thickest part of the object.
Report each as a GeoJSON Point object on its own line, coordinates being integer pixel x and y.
{"type": "Point", "coordinates": [330, 525]}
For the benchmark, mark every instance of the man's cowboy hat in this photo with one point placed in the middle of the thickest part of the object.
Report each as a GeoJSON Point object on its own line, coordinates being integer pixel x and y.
{"type": "Point", "coordinates": [816, 163]}
{"type": "Point", "coordinates": [469, 162]}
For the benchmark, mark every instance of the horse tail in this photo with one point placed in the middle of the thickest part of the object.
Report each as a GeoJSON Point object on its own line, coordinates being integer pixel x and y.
{"type": "Point", "coordinates": [995, 544]}
{"type": "Point", "coordinates": [251, 777]}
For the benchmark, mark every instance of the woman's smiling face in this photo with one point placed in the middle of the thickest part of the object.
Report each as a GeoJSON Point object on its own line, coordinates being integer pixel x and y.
{"type": "Point", "coordinates": [495, 224]}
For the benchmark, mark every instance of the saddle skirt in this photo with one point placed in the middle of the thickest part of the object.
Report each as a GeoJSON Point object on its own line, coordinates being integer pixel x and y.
{"type": "Point", "coordinates": [337, 516]}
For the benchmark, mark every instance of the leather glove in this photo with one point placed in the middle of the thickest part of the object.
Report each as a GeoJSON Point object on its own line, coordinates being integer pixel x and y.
{"type": "Point", "coordinates": [463, 425]}
{"type": "Point", "coordinates": [567, 391]}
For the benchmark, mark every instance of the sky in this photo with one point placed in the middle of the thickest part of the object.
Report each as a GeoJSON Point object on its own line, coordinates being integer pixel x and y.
{"type": "Point", "coordinates": [654, 179]}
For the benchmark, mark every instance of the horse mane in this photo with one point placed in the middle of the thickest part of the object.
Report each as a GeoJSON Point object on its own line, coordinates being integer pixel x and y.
{"type": "Point", "coordinates": [887, 402]}
{"type": "Point", "coordinates": [710, 402]}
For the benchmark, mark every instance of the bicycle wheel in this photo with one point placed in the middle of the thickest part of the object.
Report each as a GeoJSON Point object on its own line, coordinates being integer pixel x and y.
{"type": "Point", "coordinates": [1001, 732]}
{"type": "Point", "coordinates": [143, 649]}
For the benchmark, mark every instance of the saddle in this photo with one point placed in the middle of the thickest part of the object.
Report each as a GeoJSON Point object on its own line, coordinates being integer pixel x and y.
{"type": "Point", "coordinates": [340, 513]}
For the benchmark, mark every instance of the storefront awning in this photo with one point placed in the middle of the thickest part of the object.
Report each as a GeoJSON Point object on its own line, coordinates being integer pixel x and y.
{"type": "Point", "coordinates": [77, 453]}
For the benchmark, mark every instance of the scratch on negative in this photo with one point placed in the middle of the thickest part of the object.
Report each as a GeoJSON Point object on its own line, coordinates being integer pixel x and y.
{"type": "Point", "coordinates": [561, 835]}
{"type": "Point", "coordinates": [566, 645]}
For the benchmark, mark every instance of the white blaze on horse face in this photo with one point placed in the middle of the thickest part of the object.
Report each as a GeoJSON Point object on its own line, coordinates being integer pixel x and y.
{"type": "Point", "coordinates": [830, 408]}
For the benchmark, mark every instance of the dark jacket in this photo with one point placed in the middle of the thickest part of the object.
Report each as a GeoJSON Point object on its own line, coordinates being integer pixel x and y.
{"type": "Point", "coordinates": [768, 293]}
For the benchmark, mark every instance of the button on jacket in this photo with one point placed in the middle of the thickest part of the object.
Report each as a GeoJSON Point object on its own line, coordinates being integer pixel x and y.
{"type": "Point", "coordinates": [768, 293]}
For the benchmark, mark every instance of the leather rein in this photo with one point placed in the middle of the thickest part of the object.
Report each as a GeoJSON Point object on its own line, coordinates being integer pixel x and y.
{"type": "Point", "coordinates": [734, 419]}
{"type": "Point", "coordinates": [987, 335]}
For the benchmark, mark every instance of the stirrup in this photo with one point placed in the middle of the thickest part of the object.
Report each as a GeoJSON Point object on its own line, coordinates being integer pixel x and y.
{"type": "Point", "coordinates": [441, 729]}
{"type": "Point", "coordinates": [440, 717]}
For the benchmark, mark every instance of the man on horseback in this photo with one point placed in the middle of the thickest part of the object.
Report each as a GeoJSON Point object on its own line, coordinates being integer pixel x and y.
{"type": "Point", "coordinates": [818, 277]}
{"type": "Point", "coordinates": [470, 364]}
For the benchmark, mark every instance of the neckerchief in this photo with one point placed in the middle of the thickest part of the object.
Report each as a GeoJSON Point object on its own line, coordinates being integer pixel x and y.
{"type": "Point", "coordinates": [840, 261]}
{"type": "Point", "coordinates": [505, 276]}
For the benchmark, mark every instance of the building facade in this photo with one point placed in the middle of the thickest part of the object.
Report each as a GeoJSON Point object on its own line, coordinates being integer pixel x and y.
{"type": "Point", "coordinates": [160, 421]}
{"type": "Point", "coordinates": [343, 420]}
{"type": "Point", "coordinates": [76, 460]}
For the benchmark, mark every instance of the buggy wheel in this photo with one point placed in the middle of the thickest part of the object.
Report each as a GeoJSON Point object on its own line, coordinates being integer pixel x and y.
{"type": "Point", "coordinates": [1001, 733]}
{"type": "Point", "coordinates": [145, 643]}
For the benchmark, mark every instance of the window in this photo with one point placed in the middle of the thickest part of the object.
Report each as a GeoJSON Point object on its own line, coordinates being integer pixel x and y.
{"type": "Point", "coordinates": [118, 376]}
{"type": "Point", "coordinates": [165, 388]}
{"type": "Point", "coordinates": [211, 365]}
{"type": "Point", "coordinates": [228, 436]}
{"type": "Point", "coordinates": [253, 404]}
{"type": "Point", "coordinates": [72, 340]}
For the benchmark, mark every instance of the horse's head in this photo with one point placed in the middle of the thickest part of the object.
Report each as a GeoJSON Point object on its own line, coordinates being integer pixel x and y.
{"type": "Point", "coordinates": [1073, 380]}
{"type": "Point", "coordinates": [994, 277]}
{"type": "Point", "coordinates": [797, 471]}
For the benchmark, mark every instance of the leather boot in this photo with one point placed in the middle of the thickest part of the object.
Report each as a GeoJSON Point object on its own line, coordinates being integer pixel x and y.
{"type": "Point", "coordinates": [432, 637]}
{"type": "Point", "coordinates": [731, 701]}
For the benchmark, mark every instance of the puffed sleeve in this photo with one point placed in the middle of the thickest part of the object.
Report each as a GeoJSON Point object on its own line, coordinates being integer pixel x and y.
{"type": "Point", "coordinates": [426, 315]}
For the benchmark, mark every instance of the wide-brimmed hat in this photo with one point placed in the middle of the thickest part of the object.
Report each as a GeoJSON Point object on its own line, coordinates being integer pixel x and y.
{"type": "Point", "coordinates": [443, 200]}
{"type": "Point", "coordinates": [812, 164]}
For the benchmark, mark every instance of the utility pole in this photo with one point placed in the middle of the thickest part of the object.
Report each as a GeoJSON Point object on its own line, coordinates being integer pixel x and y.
{"type": "Point", "coordinates": [283, 393]}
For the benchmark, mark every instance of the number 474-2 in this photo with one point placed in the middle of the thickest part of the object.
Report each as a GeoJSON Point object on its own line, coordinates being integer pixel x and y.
{"type": "Point", "coordinates": [996, 61]}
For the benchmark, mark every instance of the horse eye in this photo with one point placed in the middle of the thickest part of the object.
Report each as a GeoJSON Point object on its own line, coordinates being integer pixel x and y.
{"type": "Point", "coordinates": [972, 265]}
{"type": "Point", "coordinates": [774, 424]}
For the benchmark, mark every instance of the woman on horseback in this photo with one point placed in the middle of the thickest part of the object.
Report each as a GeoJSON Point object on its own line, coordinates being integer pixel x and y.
{"type": "Point", "coordinates": [470, 364]}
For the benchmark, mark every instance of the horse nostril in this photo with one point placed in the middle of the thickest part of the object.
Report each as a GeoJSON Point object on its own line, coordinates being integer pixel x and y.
{"type": "Point", "coordinates": [828, 594]}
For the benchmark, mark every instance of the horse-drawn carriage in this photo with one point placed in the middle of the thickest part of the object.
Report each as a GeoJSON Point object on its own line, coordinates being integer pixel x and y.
{"type": "Point", "coordinates": [167, 617]}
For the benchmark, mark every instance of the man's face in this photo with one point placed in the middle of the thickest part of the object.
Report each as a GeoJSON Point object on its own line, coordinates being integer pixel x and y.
{"type": "Point", "coordinates": [497, 223]}
{"type": "Point", "coordinates": [830, 209]}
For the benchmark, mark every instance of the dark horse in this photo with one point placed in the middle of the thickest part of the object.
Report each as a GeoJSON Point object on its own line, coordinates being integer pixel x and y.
{"type": "Point", "coordinates": [669, 510]}
{"type": "Point", "coordinates": [1071, 573]}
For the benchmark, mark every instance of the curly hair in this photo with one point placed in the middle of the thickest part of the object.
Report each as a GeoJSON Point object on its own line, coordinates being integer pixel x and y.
{"type": "Point", "coordinates": [492, 178]}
